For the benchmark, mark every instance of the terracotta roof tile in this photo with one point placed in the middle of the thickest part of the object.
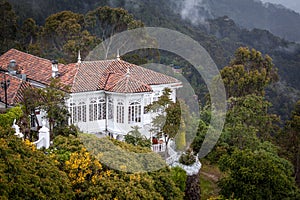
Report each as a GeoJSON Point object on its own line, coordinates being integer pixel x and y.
{"type": "Point", "coordinates": [36, 68]}
{"type": "Point", "coordinates": [15, 89]}
{"type": "Point", "coordinates": [128, 84]}
{"type": "Point", "coordinates": [105, 74]}
{"type": "Point", "coordinates": [109, 75]}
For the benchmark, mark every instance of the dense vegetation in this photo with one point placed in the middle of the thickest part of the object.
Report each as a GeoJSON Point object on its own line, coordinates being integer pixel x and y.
{"type": "Point", "coordinates": [68, 171]}
{"type": "Point", "coordinates": [258, 153]}
{"type": "Point", "coordinates": [30, 27]}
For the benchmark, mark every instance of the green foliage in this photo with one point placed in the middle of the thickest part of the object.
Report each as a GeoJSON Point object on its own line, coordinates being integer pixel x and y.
{"type": "Point", "coordinates": [180, 137]}
{"type": "Point", "coordinates": [8, 26]}
{"type": "Point", "coordinates": [6, 119]}
{"type": "Point", "coordinates": [187, 158]}
{"type": "Point", "coordinates": [179, 177]}
{"type": "Point", "coordinates": [52, 101]}
{"type": "Point", "coordinates": [289, 140]}
{"type": "Point", "coordinates": [135, 137]}
{"type": "Point", "coordinates": [92, 178]}
{"type": "Point", "coordinates": [248, 73]}
{"type": "Point", "coordinates": [167, 123]}
{"type": "Point", "coordinates": [26, 173]}
{"type": "Point", "coordinates": [62, 148]}
{"type": "Point", "coordinates": [165, 186]}
{"type": "Point", "coordinates": [66, 130]}
{"type": "Point", "coordinates": [106, 21]}
{"type": "Point", "coordinates": [245, 180]}
{"type": "Point", "coordinates": [65, 31]}
{"type": "Point", "coordinates": [122, 156]}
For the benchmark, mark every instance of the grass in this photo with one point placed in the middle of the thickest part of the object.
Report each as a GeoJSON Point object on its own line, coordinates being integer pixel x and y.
{"type": "Point", "coordinates": [209, 176]}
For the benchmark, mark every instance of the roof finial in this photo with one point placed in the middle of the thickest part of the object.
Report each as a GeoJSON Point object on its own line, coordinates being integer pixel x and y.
{"type": "Point", "coordinates": [79, 58]}
{"type": "Point", "coordinates": [118, 55]}
{"type": "Point", "coordinates": [128, 72]}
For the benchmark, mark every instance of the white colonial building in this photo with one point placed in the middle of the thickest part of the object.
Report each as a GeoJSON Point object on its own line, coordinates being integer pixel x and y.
{"type": "Point", "coordinates": [107, 96]}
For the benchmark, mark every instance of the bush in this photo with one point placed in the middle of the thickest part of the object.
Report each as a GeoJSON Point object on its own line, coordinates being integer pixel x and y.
{"type": "Point", "coordinates": [26, 173]}
{"type": "Point", "coordinates": [187, 158]}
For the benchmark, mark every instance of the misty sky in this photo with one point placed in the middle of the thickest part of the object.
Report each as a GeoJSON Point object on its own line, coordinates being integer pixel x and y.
{"type": "Point", "coordinates": [292, 4]}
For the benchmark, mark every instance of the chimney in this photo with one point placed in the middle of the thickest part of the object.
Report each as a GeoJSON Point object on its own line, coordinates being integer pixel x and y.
{"type": "Point", "coordinates": [54, 69]}
{"type": "Point", "coordinates": [12, 67]}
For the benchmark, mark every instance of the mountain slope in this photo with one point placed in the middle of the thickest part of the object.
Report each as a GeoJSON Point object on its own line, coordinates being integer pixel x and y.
{"type": "Point", "coordinates": [254, 14]}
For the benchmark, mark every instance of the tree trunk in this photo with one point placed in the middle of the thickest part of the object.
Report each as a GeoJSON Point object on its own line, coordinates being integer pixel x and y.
{"type": "Point", "coordinates": [192, 189]}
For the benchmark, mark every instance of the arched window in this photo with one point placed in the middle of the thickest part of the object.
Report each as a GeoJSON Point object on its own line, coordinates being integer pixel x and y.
{"type": "Point", "coordinates": [78, 112]}
{"type": "Point", "coordinates": [101, 109]}
{"type": "Point", "coordinates": [120, 112]}
{"type": "Point", "coordinates": [134, 112]}
{"type": "Point", "coordinates": [93, 111]}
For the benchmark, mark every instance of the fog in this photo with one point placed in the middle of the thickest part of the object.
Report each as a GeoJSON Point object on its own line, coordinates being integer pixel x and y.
{"type": "Point", "coordinates": [291, 4]}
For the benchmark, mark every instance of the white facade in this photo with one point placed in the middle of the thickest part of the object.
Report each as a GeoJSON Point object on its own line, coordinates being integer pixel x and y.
{"type": "Point", "coordinates": [116, 113]}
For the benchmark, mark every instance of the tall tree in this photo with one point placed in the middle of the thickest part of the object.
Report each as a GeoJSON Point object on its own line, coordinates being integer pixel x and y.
{"type": "Point", "coordinates": [105, 21]}
{"type": "Point", "coordinates": [65, 32]}
{"type": "Point", "coordinates": [289, 140]}
{"type": "Point", "coordinates": [8, 26]}
{"type": "Point", "coordinates": [167, 123]}
{"type": "Point", "coordinates": [248, 73]}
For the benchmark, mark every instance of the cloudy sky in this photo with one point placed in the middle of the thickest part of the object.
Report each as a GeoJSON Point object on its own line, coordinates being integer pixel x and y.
{"type": "Point", "coordinates": [292, 4]}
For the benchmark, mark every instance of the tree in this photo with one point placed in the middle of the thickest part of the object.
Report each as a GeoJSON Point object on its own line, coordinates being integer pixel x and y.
{"type": "Point", "coordinates": [51, 100]}
{"type": "Point", "coordinates": [248, 73]}
{"type": "Point", "coordinates": [8, 26]}
{"type": "Point", "coordinates": [167, 122]}
{"type": "Point", "coordinates": [29, 33]}
{"type": "Point", "coordinates": [65, 32]}
{"type": "Point", "coordinates": [256, 175]}
{"type": "Point", "coordinates": [105, 21]}
{"type": "Point", "coordinates": [248, 120]}
{"type": "Point", "coordinates": [289, 140]}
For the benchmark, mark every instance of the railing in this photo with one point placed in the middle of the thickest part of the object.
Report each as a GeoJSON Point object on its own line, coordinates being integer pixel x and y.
{"type": "Point", "coordinates": [158, 147]}
{"type": "Point", "coordinates": [172, 156]}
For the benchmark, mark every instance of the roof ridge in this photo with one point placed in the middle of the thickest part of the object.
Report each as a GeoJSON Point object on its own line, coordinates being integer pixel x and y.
{"type": "Point", "coordinates": [90, 61]}
{"type": "Point", "coordinates": [30, 55]}
{"type": "Point", "coordinates": [19, 86]}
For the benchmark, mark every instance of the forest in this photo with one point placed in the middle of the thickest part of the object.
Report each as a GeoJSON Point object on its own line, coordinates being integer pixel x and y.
{"type": "Point", "coordinates": [256, 157]}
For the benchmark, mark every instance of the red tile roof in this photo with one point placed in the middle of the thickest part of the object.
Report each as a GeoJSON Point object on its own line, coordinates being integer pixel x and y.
{"type": "Point", "coordinates": [109, 75]}
{"type": "Point", "coordinates": [105, 74]}
{"type": "Point", "coordinates": [127, 84]}
{"type": "Point", "coordinates": [14, 90]}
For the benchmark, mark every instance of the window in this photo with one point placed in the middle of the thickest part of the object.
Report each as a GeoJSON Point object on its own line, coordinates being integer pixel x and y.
{"type": "Point", "coordinates": [101, 109]}
{"type": "Point", "coordinates": [93, 110]}
{"type": "Point", "coordinates": [97, 110]}
{"type": "Point", "coordinates": [120, 112]}
{"type": "Point", "coordinates": [110, 112]}
{"type": "Point", "coordinates": [78, 112]}
{"type": "Point", "coordinates": [134, 112]}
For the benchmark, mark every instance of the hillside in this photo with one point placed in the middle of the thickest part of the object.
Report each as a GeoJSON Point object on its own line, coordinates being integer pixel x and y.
{"type": "Point", "coordinates": [255, 14]}
{"type": "Point", "coordinates": [220, 36]}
